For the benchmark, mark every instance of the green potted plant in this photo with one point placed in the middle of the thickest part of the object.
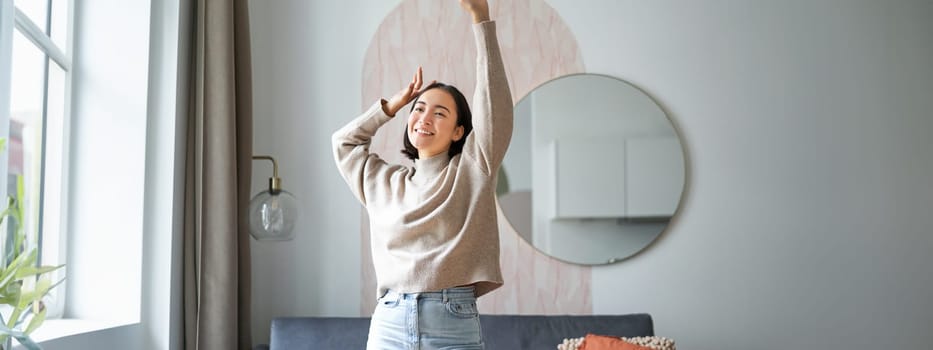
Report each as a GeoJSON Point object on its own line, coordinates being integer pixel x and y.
{"type": "Point", "coordinates": [23, 284]}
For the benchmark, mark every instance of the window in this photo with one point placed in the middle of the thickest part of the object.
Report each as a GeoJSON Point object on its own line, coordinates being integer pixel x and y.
{"type": "Point", "coordinates": [35, 65]}
{"type": "Point", "coordinates": [108, 162]}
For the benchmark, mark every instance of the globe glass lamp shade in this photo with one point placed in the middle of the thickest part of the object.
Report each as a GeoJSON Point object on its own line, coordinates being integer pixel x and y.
{"type": "Point", "coordinates": [272, 216]}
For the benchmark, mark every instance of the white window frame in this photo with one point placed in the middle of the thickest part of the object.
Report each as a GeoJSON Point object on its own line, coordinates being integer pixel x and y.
{"type": "Point", "coordinates": [6, 62]}
{"type": "Point", "coordinates": [162, 26]}
{"type": "Point", "coordinates": [12, 19]}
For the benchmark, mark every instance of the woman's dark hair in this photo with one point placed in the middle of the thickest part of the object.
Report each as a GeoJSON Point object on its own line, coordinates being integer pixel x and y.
{"type": "Point", "coordinates": [464, 119]}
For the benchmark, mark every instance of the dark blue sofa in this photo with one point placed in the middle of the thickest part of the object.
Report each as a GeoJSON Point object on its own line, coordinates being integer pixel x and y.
{"type": "Point", "coordinates": [500, 332]}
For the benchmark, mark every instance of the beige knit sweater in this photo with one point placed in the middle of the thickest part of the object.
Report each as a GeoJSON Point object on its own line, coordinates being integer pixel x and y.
{"type": "Point", "coordinates": [434, 224]}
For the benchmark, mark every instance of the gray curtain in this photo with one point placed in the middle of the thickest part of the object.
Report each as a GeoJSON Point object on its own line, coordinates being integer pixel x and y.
{"type": "Point", "coordinates": [217, 179]}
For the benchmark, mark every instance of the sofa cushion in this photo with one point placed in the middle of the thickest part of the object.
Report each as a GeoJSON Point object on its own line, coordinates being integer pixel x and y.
{"type": "Point", "coordinates": [324, 333]}
{"type": "Point", "coordinates": [500, 332]}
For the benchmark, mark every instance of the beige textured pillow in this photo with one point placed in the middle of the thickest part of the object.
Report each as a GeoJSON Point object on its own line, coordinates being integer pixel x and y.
{"type": "Point", "coordinates": [655, 342]}
{"type": "Point", "coordinates": [570, 344]}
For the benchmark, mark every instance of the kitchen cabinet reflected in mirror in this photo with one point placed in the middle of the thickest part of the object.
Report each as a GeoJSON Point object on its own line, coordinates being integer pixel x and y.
{"type": "Point", "coordinates": [595, 170]}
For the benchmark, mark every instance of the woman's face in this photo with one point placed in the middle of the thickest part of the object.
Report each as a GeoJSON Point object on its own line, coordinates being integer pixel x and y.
{"type": "Point", "coordinates": [432, 125]}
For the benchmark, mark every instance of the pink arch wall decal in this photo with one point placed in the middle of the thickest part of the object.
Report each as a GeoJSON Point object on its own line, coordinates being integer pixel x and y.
{"type": "Point", "coordinates": [537, 46]}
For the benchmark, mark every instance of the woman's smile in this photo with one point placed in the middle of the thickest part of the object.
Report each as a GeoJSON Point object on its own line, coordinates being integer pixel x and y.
{"type": "Point", "coordinates": [423, 132]}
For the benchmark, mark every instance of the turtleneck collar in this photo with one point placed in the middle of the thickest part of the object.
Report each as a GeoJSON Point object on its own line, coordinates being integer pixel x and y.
{"type": "Point", "coordinates": [429, 168]}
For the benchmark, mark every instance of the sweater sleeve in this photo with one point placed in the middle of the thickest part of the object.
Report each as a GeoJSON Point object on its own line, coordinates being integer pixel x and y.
{"type": "Point", "coordinates": [492, 103]}
{"type": "Point", "coordinates": [351, 150]}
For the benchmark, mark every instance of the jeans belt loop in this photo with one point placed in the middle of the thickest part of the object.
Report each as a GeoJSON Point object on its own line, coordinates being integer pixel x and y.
{"type": "Point", "coordinates": [444, 293]}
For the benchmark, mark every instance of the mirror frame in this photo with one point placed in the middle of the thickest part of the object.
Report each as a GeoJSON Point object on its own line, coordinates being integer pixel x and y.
{"type": "Point", "coordinates": [658, 225]}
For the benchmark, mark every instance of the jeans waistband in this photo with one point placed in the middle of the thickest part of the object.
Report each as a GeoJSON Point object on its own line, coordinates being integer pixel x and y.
{"type": "Point", "coordinates": [444, 294]}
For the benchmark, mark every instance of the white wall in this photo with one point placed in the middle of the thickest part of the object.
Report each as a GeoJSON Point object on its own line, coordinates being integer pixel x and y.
{"type": "Point", "coordinates": [307, 59]}
{"type": "Point", "coordinates": [808, 130]}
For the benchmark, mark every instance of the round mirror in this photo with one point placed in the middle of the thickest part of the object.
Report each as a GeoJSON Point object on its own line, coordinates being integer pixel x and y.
{"type": "Point", "coordinates": [595, 170]}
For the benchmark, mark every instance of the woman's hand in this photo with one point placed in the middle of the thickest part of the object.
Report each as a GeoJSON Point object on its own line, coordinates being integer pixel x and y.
{"type": "Point", "coordinates": [406, 95]}
{"type": "Point", "coordinates": [479, 9]}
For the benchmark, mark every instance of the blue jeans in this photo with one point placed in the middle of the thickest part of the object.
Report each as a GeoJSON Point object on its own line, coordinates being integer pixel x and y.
{"type": "Point", "coordinates": [445, 320]}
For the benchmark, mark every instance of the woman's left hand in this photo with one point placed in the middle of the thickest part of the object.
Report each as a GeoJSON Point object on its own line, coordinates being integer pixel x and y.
{"type": "Point", "coordinates": [404, 96]}
{"type": "Point", "coordinates": [479, 9]}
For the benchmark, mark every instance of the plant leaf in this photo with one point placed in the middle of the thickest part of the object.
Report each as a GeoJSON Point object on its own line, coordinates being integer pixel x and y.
{"type": "Point", "coordinates": [19, 212]}
{"type": "Point", "coordinates": [11, 297]}
{"type": "Point", "coordinates": [14, 318]}
{"type": "Point", "coordinates": [26, 341]}
{"type": "Point", "coordinates": [26, 259]}
{"type": "Point", "coordinates": [11, 332]}
{"type": "Point", "coordinates": [42, 287]}
{"type": "Point", "coordinates": [18, 270]}
{"type": "Point", "coordinates": [36, 321]}
{"type": "Point", "coordinates": [28, 271]}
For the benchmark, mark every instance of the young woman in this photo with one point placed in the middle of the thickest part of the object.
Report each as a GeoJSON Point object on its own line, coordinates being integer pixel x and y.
{"type": "Point", "coordinates": [435, 239]}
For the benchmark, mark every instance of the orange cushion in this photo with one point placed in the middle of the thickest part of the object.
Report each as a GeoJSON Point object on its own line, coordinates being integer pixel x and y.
{"type": "Point", "coordinates": [603, 342]}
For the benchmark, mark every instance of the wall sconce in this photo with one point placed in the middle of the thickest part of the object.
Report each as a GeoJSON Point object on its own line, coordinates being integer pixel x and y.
{"type": "Point", "coordinates": [272, 213]}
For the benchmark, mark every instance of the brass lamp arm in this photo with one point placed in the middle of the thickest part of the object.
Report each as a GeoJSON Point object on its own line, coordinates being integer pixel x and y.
{"type": "Point", "coordinates": [275, 183]}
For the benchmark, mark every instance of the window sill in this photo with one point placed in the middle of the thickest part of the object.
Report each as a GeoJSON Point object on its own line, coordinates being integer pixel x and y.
{"type": "Point", "coordinates": [61, 328]}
